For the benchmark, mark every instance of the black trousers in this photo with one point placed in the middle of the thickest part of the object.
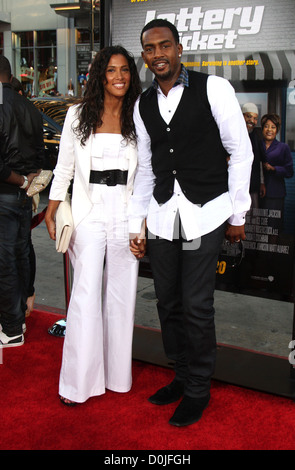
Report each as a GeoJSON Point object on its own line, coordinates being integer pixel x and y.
{"type": "Point", "coordinates": [15, 230]}
{"type": "Point", "coordinates": [184, 276]}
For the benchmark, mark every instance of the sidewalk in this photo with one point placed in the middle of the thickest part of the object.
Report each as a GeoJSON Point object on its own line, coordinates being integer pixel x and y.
{"type": "Point", "coordinates": [242, 321]}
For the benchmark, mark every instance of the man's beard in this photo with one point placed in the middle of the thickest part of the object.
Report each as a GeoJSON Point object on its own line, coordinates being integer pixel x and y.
{"type": "Point", "coordinates": [163, 75]}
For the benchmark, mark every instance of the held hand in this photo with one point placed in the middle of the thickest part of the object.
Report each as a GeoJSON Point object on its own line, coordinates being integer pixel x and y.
{"type": "Point", "coordinates": [138, 247]}
{"type": "Point", "coordinates": [30, 177]}
{"type": "Point", "coordinates": [268, 167]}
{"type": "Point", "coordinates": [235, 233]}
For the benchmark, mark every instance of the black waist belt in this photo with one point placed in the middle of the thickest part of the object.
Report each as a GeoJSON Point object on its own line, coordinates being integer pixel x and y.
{"type": "Point", "coordinates": [108, 177]}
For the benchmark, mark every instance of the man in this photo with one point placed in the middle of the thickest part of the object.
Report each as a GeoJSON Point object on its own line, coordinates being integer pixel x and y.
{"type": "Point", "coordinates": [257, 186]}
{"type": "Point", "coordinates": [187, 124]}
{"type": "Point", "coordinates": [21, 158]}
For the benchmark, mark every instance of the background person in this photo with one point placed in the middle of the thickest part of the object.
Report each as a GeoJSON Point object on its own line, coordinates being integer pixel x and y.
{"type": "Point", "coordinates": [278, 165]}
{"type": "Point", "coordinates": [21, 159]}
{"type": "Point", "coordinates": [98, 150]}
{"type": "Point", "coordinates": [257, 186]}
{"type": "Point", "coordinates": [71, 90]}
{"type": "Point", "coordinates": [17, 86]}
{"type": "Point", "coordinates": [187, 124]}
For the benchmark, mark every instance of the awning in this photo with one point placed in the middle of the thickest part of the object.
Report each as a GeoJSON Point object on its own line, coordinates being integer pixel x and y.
{"type": "Point", "coordinates": [5, 17]}
{"type": "Point", "coordinates": [75, 9]}
{"type": "Point", "coordinates": [279, 65]}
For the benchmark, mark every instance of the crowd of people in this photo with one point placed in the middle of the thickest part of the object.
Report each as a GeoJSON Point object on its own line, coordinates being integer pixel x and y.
{"type": "Point", "coordinates": [172, 170]}
{"type": "Point", "coordinates": [272, 161]}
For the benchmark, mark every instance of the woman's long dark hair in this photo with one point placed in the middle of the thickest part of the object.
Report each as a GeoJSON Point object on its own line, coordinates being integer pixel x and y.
{"type": "Point", "coordinates": [92, 104]}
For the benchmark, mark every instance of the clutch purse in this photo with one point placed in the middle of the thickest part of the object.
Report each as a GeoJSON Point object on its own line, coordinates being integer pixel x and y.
{"type": "Point", "coordinates": [64, 225]}
{"type": "Point", "coordinates": [39, 182]}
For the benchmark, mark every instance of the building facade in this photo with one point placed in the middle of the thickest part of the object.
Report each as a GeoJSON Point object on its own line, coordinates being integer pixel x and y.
{"type": "Point", "coordinates": [46, 42]}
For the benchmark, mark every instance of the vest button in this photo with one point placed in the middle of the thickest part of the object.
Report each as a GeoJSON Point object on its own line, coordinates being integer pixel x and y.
{"type": "Point", "coordinates": [174, 172]}
{"type": "Point", "coordinates": [171, 150]}
{"type": "Point", "coordinates": [168, 129]}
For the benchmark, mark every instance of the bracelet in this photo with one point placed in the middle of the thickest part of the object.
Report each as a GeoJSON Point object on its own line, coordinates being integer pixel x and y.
{"type": "Point", "coordinates": [25, 183]}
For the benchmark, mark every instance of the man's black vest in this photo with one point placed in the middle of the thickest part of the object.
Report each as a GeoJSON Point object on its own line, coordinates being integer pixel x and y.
{"type": "Point", "coordinates": [189, 148]}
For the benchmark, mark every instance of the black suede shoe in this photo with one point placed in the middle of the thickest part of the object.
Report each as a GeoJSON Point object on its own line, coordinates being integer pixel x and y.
{"type": "Point", "coordinates": [189, 411]}
{"type": "Point", "coordinates": [168, 394]}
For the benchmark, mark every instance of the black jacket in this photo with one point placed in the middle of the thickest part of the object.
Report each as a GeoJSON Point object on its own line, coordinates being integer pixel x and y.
{"type": "Point", "coordinates": [21, 135]}
{"type": "Point", "coordinates": [259, 157]}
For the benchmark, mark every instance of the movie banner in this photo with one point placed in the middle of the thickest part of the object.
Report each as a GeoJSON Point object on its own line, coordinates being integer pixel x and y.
{"type": "Point", "coordinates": [251, 44]}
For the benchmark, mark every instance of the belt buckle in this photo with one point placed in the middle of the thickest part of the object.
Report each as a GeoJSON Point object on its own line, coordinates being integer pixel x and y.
{"type": "Point", "coordinates": [111, 179]}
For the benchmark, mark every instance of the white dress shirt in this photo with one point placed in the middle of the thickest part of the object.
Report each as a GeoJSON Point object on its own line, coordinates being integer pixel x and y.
{"type": "Point", "coordinates": [196, 221]}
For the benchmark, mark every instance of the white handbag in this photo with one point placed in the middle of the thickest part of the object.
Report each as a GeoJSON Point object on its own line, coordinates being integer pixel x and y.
{"type": "Point", "coordinates": [64, 225]}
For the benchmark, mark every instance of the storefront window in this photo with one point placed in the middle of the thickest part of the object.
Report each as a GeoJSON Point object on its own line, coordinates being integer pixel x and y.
{"type": "Point", "coordinates": [83, 36]}
{"type": "Point", "coordinates": [46, 38]}
{"type": "Point", "coordinates": [83, 55]}
{"type": "Point", "coordinates": [35, 61]}
{"type": "Point", "coordinates": [26, 39]}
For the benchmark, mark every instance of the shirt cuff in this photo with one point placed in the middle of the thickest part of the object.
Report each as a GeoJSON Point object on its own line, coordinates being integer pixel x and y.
{"type": "Point", "coordinates": [237, 219]}
{"type": "Point", "coordinates": [135, 225]}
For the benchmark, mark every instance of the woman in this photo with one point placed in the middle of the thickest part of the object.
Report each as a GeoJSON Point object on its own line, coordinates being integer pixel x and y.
{"type": "Point", "coordinates": [278, 165]}
{"type": "Point", "coordinates": [98, 150]}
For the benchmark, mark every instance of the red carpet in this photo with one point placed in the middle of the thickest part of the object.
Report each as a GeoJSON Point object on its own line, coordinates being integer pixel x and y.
{"type": "Point", "coordinates": [32, 418]}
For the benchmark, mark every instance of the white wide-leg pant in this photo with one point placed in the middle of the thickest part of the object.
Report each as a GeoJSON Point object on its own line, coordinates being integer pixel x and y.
{"type": "Point", "coordinates": [97, 352]}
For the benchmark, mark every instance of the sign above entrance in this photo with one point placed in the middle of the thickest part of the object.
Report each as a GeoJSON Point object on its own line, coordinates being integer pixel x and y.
{"type": "Point", "coordinates": [205, 27]}
{"type": "Point", "coordinates": [195, 25]}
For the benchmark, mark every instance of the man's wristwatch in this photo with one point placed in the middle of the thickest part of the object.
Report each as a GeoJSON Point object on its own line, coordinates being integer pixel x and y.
{"type": "Point", "coordinates": [25, 183]}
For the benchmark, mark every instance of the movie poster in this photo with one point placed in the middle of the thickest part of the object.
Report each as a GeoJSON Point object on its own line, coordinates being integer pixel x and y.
{"type": "Point", "coordinates": [246, 43]}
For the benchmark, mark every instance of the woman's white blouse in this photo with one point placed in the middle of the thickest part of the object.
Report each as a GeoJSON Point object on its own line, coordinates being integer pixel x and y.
{"type": "Point", "coordinates": [108, 152]}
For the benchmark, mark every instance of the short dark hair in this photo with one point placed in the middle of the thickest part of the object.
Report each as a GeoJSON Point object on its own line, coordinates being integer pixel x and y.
{"type": "Point", "coordinates": [274, 118]}
{"type": "Point", "coordinates": [160, 23]}
{"type": "Point", "coordinates": [5, 69]}
{"type": "Point", "coordinates": [17, 85]}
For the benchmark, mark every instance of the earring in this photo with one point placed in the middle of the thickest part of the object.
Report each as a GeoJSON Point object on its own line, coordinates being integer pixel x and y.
{"type": "Point", "coordinates": [179, 55]}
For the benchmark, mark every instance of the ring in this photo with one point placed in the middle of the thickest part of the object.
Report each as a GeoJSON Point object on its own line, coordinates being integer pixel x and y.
{"type": "Point", "coordinates": [237, 241]}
